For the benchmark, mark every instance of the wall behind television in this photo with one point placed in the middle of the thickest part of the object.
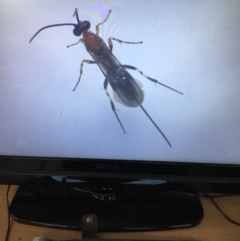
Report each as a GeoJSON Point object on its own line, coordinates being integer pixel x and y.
{"type": "Point", "coordinates": [192, 46]}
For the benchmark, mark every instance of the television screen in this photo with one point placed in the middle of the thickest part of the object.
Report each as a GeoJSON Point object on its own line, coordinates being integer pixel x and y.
{"type": "Point", "coordinates": [189, 46]}
{"type": "Point", "coordinates": [149, 82]}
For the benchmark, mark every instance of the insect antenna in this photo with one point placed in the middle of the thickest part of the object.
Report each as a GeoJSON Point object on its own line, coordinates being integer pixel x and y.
{"type": "Point", "coordinates": [76, 14]}
{"type": "Point", "coordinates": [50, 26]}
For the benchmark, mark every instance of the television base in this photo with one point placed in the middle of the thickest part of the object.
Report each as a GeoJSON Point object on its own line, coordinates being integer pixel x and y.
{"type": "Point", "coordinates": [163, 206]}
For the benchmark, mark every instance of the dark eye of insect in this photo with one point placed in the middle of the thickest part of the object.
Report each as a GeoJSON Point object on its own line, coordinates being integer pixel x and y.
{"type": "Point", "coordinates": [77, 31]}
{"type": "Point", "coordinates": [87, 25]}
{"type": "Point", "coordinates": [80, 27]}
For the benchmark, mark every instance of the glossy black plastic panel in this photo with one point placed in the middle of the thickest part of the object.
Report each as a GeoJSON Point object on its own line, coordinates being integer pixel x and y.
{"type": "Point", "coordinates": [129, 207]}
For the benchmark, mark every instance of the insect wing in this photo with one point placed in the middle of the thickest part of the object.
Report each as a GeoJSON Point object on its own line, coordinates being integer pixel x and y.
{"type": "Point", "coordinates": [131, 98]}
{"type": "Point", "coordinates": [120, 80]}
{"type": "Point", "coordinates": [117, 98]}
{"type": "Point", "coordinates": [126, 88]}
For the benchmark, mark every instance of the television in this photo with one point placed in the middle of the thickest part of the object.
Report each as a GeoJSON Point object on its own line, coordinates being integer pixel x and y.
{"type": "Point", "coordinates": [137, 163]}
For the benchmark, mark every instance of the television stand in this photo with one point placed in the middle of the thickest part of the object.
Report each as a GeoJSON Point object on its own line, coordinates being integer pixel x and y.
{"type": "Point", "coordinates": [90, 232]}
{"type": "Point", "coordinates": [163, 206]}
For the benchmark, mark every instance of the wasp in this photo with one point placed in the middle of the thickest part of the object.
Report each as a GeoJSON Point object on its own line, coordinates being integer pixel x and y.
{"type": "Point", "coordinates": [123, 84]}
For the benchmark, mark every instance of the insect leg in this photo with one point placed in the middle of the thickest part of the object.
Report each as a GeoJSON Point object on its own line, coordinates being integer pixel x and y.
{"type": "Point", "coordinates": [112, 104]}
{"type": "Point", "coordinates": [149, 78]}
{"type": "Point", "coordinates": [79, 41]}
{"type": "Point", "coordinates": [155, 125]}
{"type": "Point", "coordinates": [110, 43]}
{"type": "Point", "coordinates": [81, 70]}
{"type": "Point", "coordinates": [97, 27]}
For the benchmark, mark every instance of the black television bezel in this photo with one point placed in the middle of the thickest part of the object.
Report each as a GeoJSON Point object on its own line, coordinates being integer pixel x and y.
{"type": "Point", "coordinates": [203, 176]}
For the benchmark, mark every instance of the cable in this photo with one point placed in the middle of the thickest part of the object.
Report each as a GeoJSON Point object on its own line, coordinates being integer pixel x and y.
{"type": "Point", "coordinates": [220, 210]}
{"type": "Point", "coordinates": [225, 195]}
{"type": "Point", "coordinates": [206, 195]}
{"type": "Point", "coordinates": [8, 227]}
